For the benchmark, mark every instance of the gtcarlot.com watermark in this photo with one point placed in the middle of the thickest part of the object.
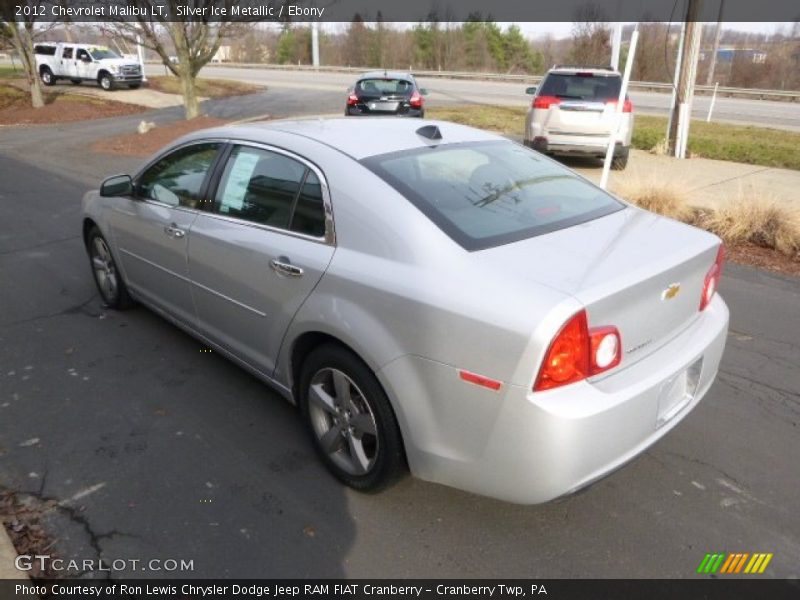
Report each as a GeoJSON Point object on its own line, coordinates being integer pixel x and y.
{"type": "Point", "coordinates": [47, 563]}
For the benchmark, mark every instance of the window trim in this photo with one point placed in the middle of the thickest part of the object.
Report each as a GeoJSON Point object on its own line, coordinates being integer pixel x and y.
{"type": "Point", "coordinates": [330, 234]}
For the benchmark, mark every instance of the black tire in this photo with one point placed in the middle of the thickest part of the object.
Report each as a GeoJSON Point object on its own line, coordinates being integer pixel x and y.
{"type": "Point", "coordinates": [106, 81]}
{"type": "Point", "coordinates": [383, 449]}
{"type": "Point", "coordinates": [114, 296]}
{"type": "Point", "coordinates": [134, 86]}
{"type": "Point", "coordinates": [47, 76]}
{"type": "Point", "coordinates": [619, 162]}
{"type": "Point", "coordinates": [76, 81]}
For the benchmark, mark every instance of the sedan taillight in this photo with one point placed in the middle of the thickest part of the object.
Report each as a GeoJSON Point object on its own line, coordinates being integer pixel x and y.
{"type": "Point", "coordinates": [352, 100]}
{"type": "Point", "coordinates": [416, 100]}
{"type": "Point", "coordinates": [578, 352]}
{"type": "Point", "coordinates": [713, 276]}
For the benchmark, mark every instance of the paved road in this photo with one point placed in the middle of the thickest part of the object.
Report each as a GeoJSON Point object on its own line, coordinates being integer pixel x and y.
{"type": "Point", "coordinates": [157, 450]}
{"type": "Point", "coordinates": [782, 115]}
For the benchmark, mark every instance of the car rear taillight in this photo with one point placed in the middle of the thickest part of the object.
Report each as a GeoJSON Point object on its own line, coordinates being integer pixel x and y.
{"type": "Point", "coordinates": [578, 352]}
{"type": "Point", "coordinates": [545, 101]}
{"type": "Point", "coordinates": [713, 276]}
{"type": "Point", "coordinates": [352, 100]}
{"type": "Point", "coordinates": [416, 100]}
{"type": "Point", "coordinates": [627, 106]}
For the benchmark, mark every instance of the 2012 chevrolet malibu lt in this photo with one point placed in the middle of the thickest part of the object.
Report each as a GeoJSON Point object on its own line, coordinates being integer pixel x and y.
{"type": "Point", "coordinates": [428, 294]}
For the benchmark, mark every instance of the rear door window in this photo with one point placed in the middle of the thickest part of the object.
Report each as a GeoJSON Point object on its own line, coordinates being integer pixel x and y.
{"type": "Point", "coordinates": [581, 86]}
{"type": "Point", "coordinates": [384, 87]}
{"type": "Point", "coordinates": [492, 193]}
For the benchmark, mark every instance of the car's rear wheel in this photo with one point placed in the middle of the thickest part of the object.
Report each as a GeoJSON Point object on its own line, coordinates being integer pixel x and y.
{"type": "Point", "coordinates": [106, 275]}
{"type": "Point", "coordinates": [350, 420]}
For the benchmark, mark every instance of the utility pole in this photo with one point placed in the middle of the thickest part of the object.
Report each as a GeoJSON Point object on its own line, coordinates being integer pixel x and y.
{"type": "Point", "coordinates": [689, 52]}
{"type": "Point", "coordinates": [717, 34]}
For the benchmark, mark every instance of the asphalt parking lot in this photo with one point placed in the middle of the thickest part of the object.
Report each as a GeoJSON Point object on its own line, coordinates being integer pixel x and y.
{"type": "Point", "coordinates": [155, 449]}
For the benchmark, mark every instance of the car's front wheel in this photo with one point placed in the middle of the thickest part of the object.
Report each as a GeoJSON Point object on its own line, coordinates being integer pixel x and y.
{"type": "Point", "coordinates": [106, 275]}
{"type": "Point", "coordinates": [350, 420]}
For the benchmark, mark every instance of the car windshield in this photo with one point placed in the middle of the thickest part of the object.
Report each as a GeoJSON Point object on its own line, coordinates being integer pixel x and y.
{"type": "Point", "coordinates": [581, 86]}
{"type": "Point", "coordinates": [384, 86]}
{"type": "Point", "coordinates": [492, 193]}
{"type": "Point", "coordinates": [101, 53]}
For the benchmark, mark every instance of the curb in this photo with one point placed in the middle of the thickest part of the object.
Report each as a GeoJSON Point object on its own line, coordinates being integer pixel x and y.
{"type": "Point", "coordinates": [7, 556]}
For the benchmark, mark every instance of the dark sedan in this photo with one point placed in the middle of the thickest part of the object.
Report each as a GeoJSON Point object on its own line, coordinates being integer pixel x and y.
{"type": "Point", "coordinates": [386, 93]}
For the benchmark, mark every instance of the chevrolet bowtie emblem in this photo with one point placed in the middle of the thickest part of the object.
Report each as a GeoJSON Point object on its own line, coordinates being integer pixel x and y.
{"type": "Point", "coordinates": [671, 291]}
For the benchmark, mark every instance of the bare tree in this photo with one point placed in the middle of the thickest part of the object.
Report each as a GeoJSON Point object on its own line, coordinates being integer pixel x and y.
{"type": "Point", "coordinates": [194, 41]}
{"type": "Point", "coordinates": [20, 32]}
{"type": "Point", "coordinates": [590, 36]}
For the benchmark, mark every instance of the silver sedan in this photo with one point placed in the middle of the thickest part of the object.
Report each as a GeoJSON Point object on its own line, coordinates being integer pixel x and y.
{"type": "Point", "coordinates": [431, 296]}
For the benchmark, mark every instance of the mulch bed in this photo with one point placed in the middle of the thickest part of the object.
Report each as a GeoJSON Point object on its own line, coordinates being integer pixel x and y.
{"type": "Point", "coordinates": [144, 144]}
{"type": "Point", "coordinates": [763, 258]}
{"type": "Point", "coordinates": [22, 515]}
{"type": "Point", "coordinates": [62, 108]}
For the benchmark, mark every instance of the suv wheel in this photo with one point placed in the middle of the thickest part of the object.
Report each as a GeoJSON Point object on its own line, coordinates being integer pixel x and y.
{"type": "Point", "coordinates": [351, 422]}
{"type": "Point", "coordinates": [619, 162]}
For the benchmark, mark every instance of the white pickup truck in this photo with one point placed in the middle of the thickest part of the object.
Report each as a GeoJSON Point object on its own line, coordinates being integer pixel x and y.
{"type": "Point", "coordinates": [86, 62]}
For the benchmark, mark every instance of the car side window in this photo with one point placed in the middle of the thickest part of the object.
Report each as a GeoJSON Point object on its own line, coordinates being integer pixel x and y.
{"type": "Point", "coordinates": [177, 179]}
{"type": "Point", "coordinates": [67, 53]}
{"type": "Point", "coordinates": [82, 54]}
{"type": "Point", "coordinates": [309, 212]}
{"type": "Point", "coordinates": [259, 186]}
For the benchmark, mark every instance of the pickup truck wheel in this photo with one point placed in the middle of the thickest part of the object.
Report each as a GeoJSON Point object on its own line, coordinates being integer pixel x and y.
{"type": "Point", "coordinates": [619, 162]}
{"type": "Point", "coordinates": [106, 82]}
{"type": "Point", "coordinates": [76, 81]}
{"type": "Point", "coordinates": [47, 77]}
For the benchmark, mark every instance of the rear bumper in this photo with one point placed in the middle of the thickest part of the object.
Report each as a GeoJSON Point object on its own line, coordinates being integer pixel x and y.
{"type": "Point", "coordinates": [580, 147]}
{"type": "Point", "coordinates": [529, 448]}
{"type": "Point", "coordinates": [355, 111]}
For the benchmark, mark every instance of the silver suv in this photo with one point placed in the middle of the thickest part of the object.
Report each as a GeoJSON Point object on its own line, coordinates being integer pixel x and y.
{"type": "Point", "coordinates": [572, 113]}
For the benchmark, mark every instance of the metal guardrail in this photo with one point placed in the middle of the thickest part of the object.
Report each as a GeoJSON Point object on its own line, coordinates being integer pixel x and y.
{"type": "Point", "coordinates": [641, 86]}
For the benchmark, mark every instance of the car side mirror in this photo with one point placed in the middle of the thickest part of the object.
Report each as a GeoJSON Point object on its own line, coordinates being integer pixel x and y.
{"type": "Point", "coordinates": [118, 185]}
{"type": "Point", "coordinates": [423, 91]}
{"type": "Point", "coordinates": [531, 90]}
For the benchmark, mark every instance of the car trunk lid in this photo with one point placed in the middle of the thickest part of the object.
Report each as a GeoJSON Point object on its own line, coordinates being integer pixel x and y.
{"type": "Point", "coordinates": [637, 271]}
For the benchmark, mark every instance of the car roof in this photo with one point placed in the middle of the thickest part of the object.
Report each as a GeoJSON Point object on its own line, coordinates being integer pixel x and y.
{"type": "Point", "coordinates": [357, 137]}
{"type": "Point", "coordinates": [386, 75]}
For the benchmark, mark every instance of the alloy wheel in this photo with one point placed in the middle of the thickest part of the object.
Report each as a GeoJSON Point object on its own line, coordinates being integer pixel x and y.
{"type": "Point", "coordinates": [105, 271]}
{"type": "Point", "coordinates": [343, 421]}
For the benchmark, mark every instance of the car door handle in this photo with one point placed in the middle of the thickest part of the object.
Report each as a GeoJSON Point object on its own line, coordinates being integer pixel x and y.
{"type": "Point", "coordinates": [282, 266]}
{"type": "Point", "coordinates": [174, 231]}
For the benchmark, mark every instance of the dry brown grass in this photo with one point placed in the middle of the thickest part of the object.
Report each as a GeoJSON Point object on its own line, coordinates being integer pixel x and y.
{"type": "Point", "coordinates": [761, 222]}
{"type": "Point", "coordinates": [667, 200]}
{"type": "Point", "coordinates": [746, 220]}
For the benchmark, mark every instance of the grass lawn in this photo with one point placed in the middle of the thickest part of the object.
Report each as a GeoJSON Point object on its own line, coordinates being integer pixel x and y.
{"type": "Point", "coordinates": [738, 143]}
{"type": "Point", "coordinates": [8, 72]}
{"type": "Point", "coordinates": [207, 88]}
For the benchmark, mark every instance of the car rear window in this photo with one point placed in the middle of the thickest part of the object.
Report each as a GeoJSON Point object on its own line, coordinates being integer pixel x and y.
{"type": "Point", "coordinates": [581, 86]}
{"type": "Point", "coordinates": [384, 86]}
{"type": "Point", "coordinates": [492, 193]}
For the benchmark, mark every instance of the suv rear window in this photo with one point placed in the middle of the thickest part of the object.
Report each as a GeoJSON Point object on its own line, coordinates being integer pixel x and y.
{"type": "Point", "coordinates": [384, 86]}
{"type": "Point", "coordinates": [492, 193]}
{"type": "Point", "coordinates": [581, 86]}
